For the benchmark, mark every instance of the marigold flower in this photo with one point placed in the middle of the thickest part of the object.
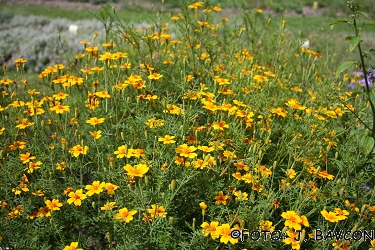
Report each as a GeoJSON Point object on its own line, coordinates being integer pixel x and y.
{"type": "Point", "coordinates": [157, 211]}
{"type": "Point", "coordinates": [76, 197]}
{"type": "Point", "coordinates": [293, 220]}
{"type": "Point", "coordinates": [110, 188]}
{"type": "Point", "coordinates": [221, 198]}
{"type": "Point", "coordinates": [332, 216]}
{"type": "Point", "coordinates": [95, 188]}
{"type": "Point", "coordinates": [292, 236]}
{"type": "Point", "coordinates": [96, 134]}
{"type": "Point", "coordinates": [186, 151]}
{"type": "Point", "coordinates": [72, 246]}
{"type": "Point", "coordinates": [32, 166]}
{"type": "Point", "coordinates": [78, 149]}
{"type": "Point", "coordinates": [60, 96]}
{"type": "Point", "coordinates": [155, 76]}
{"type": "Point", "coordinates": [224, 231]}
{"type": "Point", "coordinates": [138, 171]}
{"type": "Point", "coordinates": [220, 125]}
{"type": "Point", "coordinates": [324, 175]}
{"type": "Point", "coordinates": [59, 109]}
{"type": "Point", "coordinates": [95, 121]}
{"type": "Point", "coordinates": [124, 215]}
{"type": "Point", "coordinates": [210, 229]}
{"type": "Point", "coordinates": [108, 206]}
{"type": "Point", "coordinates": [167, 139]}
{"type": "Point", "coordinates": [291, 173]}
{"type": "Point", "coordinates": [25, 158]}
{"type": "Point", "coordinates": [24, 124]}
{"type": "Point", "coordinates": [53, 205]}
{"type": "Point", "coordinates": [203, 205]}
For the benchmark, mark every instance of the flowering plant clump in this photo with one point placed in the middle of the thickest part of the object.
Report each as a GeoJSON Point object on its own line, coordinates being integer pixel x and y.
{"type": "Point", "coordinates": [184, 134]}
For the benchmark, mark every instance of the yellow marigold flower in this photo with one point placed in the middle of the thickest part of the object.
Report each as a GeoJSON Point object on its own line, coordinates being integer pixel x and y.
{"type": "Point", "coordinates": [53, 205]}
{"type": "Point", "coordinates": [324, 175]}
{"type": "Point", "coordinates": [305, 222]}
{"type": "Point", "coordinates": [217, 8]}
{"type": "Point", "coordinates": [121, 151]}
{"type": "Point", "coordinates": [210, 229]}
{"type": "Point", "coordinates": [59, 109]}
{"type": "Point", "coordinates": [110, 188]}
{"type": "Point", "coordinates": [206, 149]}
{"type": "Point", "coordinates": [167, 139]}
{"type": "Point", "coordinates": [60, 96]}
{"type": "Point", "coordinates": [138, 171]}
{"type": "Point", "coordinates": [291, 173]}
{"type": "Point", "coordinates": [221, 81]}
{"type": "Point", "coordinates": [221, 198]}
{"type": "Point", "coordinates": [60, 166]}
{"type": "Point", "coordinates": [32, 166]}
{"type": "Point", "coordinates": [155, 76]}
{"type": "Point", "coordinates": [124, 215]}
{"type": "Point", "coordinates": [153, 123]}
{"type": "Point", "coordinates": [341, 212]}
{"type": "Point", "coordinates": [2, 130]}
{"type": "Point", "coordinates": [292, 236]}
{"type": "Point", "coordinates": [260, 78]}
{"type": "Point", "coordinates": [157, 211]}
{"type": "Point", "coordinates": [280, 112]}
{"type": "Point", "coordinates": [108, 206]}
{"type": "Point", "coordinates": [332, 216]}
{"type": "Point", "coordinates": [96, 134]}
{"type": "Point", "coordinates": [242, 196]}
{"type": "Point", "coordinates": [78, 149]}
{"type": "Point", "coordinates": [24, 124]}
{"type": "Point", "coordinates": [220, 125]}
{"type": "Point", "coordinates": [266, 225]}
{"type": "Point", "coordinates": [76, 197]}
{"type": "Point", "coordinates": [25, 158]}
{"type": "Point", "coordinates": [203, 205]}
{"type": "Point", "coordinates": [196, 5]}
{"type": "Point", "coordinates": [103, 94]}
{"type": "Point", "coordinates": [174, 110]}
{"type": "Point", "coordinates": [186, 151]}
{"type": "Point", "coordinates": [224, 231]}
{"type": "Point", "coordinates": [293, 220]}
{"type": "Point", "coordinates": [72, 246]}
{"type": "Point", "coordinates": [95, 188]}
{"type": "Point", "coordinates": [95, 121]}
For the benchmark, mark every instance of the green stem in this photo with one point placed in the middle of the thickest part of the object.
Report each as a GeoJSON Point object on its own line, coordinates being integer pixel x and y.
{"type": "Point", "coordinates": [368, 90]}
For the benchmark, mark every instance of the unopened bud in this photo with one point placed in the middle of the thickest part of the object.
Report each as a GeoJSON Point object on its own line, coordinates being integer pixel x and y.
{"type": "Point", "coordinates": [171, 220]}
{"type": "Point", "coordinates": [173, 185]}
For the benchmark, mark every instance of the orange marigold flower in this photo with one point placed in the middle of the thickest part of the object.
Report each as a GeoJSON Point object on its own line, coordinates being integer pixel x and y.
{"type": "Point", "coordinates": [95, 121]}
{"type": "Point", "coordinates": [95, 188]}
{"type": "Point", "coordinates": [293, 220]}
{"type": "Point", "coordinates": [124, 215]}
{"type": "Point", "coordinates": [76, 197]}
{"type": "Point", "coordinates": [186, 151]}
{"type": "Point", "coordinates": [25, 158]}
{"type": "Point", "coordinates": [221, 198]}
{"type": "Point", "coordinates": [138, 171]}
{"type": "Point", "coordinates": [220, 125]}
{"type": "Point", "coordinates": [167, 139]}
{"type": "Point", "coordinates": [78, 149]}
{"type": "Point", "coordinates": [210, 229]}
{"type": "Point", "coordinates": [110, 188]}
{"type": "Point", "coordinates": [72, 246]}
{"type": "Point", "coordinates": [53, 205]}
